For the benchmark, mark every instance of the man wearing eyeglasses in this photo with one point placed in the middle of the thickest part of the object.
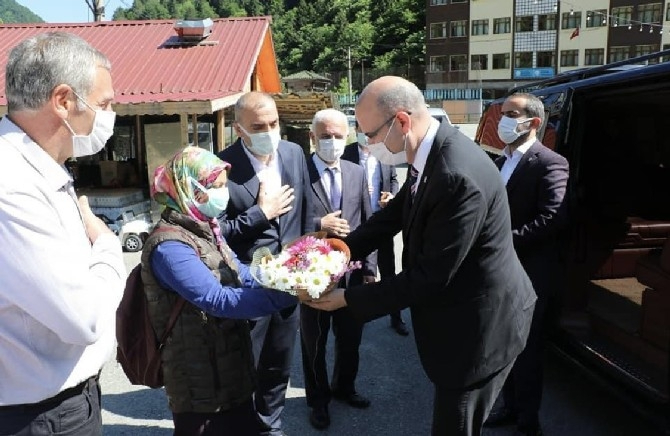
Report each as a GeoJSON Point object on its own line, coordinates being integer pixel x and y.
{"type": "Point", "coordinates": [471, 301]}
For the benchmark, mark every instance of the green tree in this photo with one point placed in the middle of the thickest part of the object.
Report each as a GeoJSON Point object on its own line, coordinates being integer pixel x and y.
{"type": "Point", "coordinates": [12, 12]}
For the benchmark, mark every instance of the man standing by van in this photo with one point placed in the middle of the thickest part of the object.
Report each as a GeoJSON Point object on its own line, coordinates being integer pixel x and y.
{"type": "Point", "coordinates": [535, 178]}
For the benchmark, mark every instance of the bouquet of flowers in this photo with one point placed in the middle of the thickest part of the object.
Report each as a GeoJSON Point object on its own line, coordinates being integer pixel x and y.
{"type": "Point", "coordinates": [308, 267]}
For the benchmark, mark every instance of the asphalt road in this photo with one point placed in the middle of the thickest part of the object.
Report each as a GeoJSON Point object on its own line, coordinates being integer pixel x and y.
{"type": "Point", "coordinates": [391, 376]}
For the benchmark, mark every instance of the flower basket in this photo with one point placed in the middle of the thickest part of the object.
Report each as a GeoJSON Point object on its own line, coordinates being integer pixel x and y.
{"type": "Point", "coordinates": [308, 267]}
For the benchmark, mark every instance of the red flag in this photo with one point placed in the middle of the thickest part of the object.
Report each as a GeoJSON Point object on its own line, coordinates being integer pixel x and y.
{"type": "Point", "coordinates": [575, 33]}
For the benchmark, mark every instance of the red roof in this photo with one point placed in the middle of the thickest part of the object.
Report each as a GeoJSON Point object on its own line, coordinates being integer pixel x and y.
{"type": "Point", "coordinates": [144, 70]}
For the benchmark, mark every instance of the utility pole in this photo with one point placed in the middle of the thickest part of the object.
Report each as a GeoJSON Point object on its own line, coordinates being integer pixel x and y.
{"type": "Point", "coordinates": [349, 73]}
{"type": "Point", "coordinates": [97, 8]}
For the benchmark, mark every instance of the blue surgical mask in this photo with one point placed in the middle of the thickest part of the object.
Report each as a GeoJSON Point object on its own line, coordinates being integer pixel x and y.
{"type": "Point", "coordinates": [263, 143]}
{"type": "Point", "coordinates": [217, 199]}
{"type": "Point", "coordinates": [362, 139]}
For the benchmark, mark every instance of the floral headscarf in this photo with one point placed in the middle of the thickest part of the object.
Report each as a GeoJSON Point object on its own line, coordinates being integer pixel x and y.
{"type": "Point", "coordinates": [172, 187]}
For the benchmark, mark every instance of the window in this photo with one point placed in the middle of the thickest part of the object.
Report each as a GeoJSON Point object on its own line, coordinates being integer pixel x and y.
{"type": "Point", "coordinates": [523, 60]}
{"type": "Point", "coordinates": [546, 59]}
{"type": "Point", "coordinates": [524, 24]}
{"type": "Point", "coordinates": [438, 30]}
{"type": "Point", "coordinates": [641, 50]}
{"type": "Point", "coordinates": [458, 29]}
{"type": "Point", "coordinates": [569, 58]}
{"type": "Point", "coordinates": [571, 20]}
{"type": "Point", "coordinates": [546, 22]}
{"type": "Point", "coordinates": [479, 62]}
{"type": "Point", "coordinates": [459, 1]}
{"type": "Point", "coordinates": [619, 54]}
{"type": "Point", "coordinates": [665, 58]}
{"type": "Point", "coordinates": [594, 56]}
{"type": "Point", "coordinates": [667, 13]}
{"type": "Point", "coordinates": [501, 61]}
{"type": "Point", "coordinates": [437, 64]}
{"type": "Point", "coordinates": [458, 62]}
{"type": "Point", "coordinates": [649, 13]}
{"type": "Point", "coordinates": [480, 27]}
{"type": "Point", "coordinates": [438, 2]}
{"type": "Point", "coordinates": [502, 25]}
{"type": "Point", "coordinates": [621, 16]}
{"type": "Point", "coordinates": [596, 18]}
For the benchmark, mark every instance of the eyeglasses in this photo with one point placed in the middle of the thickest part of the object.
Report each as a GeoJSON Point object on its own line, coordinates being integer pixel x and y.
{"type": "Point", "coordinates": [376, 131]}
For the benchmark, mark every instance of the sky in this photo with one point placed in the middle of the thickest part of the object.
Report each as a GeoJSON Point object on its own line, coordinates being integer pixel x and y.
{"type": "Point", "coordinates": [70, 11]}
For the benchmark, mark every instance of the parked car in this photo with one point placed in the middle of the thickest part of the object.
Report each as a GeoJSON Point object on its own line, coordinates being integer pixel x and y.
{"type": "Point", "coordinates": [610, 122]}
{"type": "Point", "coordinates": [439, 114]}
{"type": "Point", "coordinates": [132, 230]}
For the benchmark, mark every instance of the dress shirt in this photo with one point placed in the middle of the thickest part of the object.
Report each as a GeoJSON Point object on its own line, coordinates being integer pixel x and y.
{"type": "Point", "coordinates": [513, 159]}
{"type": "Point", "coordinates": [424, 149]}
{"type": "Point", "coordinates": [178, 267]}
{"type": "Point", "coordinates": [269, 174]}
{"type": "Point", "coordinates": [373, 172]}
{"type": "Point", "coordinates": [325, 178]}
{"type": "Point", "coordinates": [58, 293]}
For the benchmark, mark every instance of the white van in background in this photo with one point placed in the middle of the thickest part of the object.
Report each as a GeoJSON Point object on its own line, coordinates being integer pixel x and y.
{"type": "Point", "coordinates": [439, 114]}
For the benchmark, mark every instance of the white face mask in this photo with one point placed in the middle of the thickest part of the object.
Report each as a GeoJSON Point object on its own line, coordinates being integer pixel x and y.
{"type": "Point", "coordinates": [103, 129]}
{"type": "Point", "coordinates": [217, 199]}
{"type": "Point", "coordinates": [330, 150]}
{"type": "Point", "coordinates": [384, 155]}
{"type": "Point", "coordinates": [263, 143]}
{"type": "Point", "coordinates": [507, 129]}
{"type": "Point", "coordinates": [362, 139]}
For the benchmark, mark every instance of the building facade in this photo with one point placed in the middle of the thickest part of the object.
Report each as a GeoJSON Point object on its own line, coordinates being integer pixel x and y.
{"type": "Point", "coordinates": [492, 45]}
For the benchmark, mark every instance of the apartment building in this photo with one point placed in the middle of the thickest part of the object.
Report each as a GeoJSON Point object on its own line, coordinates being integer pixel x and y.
{"type": "Point", "coordinates": [493, 45]}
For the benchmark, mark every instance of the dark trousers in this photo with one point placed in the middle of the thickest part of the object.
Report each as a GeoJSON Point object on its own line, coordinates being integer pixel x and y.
{"type": "Point", "coordinates": [314, 328]}
{"type": "Point", "coordinates": [522, 391]}
{"type": "Point", "coordinates": [463, 411]}
{"type": "Point", "coordinates": [75, 412]}
{"type": "Point", "coordinates": [386, 265]}
{"type": "Point", "coordinates": [273, 338]}
{"type": "Point", "coordinates": [238, 421]}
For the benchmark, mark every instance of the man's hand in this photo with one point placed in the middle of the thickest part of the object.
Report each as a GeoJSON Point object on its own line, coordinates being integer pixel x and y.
{"type": "Point", "coordinates": [335, 226]}
{"type": "Point", "coordinates": [277, 203]}
{"type": "Point", "coordinates": [385, 198]}
{"type": "Point", "coordinates": [333, 300]}
{"type": "Point", "coordinates": [369, 279]}
{"type": "Point", "coordinates": [94, 225]}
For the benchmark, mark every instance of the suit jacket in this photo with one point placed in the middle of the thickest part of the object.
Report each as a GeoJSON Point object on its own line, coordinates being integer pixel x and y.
{"type": "Point", "coordinates": [243, 223]}
{"type": "Point", "coordinates": [471, 301]}
{"type": "Point", "coordinates": [536, 194]}
{"type": "Point", "coordinates": [356, 207]}
{"type": "Point", "coordinates": [389, 178]}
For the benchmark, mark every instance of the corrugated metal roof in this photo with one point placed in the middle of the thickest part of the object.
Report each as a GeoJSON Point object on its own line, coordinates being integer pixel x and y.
{"type": "Point", "coordinates": [144, 70]}
{"type": "Point", "coordinates": [305, 75]}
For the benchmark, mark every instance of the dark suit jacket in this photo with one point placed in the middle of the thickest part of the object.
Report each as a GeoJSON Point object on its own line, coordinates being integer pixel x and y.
{"type": "Point", "coordinates": [389, 178]}
{"type": "Point", "coordinates": [355, 207]}
{"type": "Point", "coordinates": [243, 224]}
{"type": "Point", "coordinates": [536, 194]}
{"type": "Point", "coordinates": [471, 301]}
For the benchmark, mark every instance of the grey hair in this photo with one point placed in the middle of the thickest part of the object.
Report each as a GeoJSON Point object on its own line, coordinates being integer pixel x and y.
{"type": "Point", "coordinates": [329, 115]}
{"type": "Point", "coordinates": [40, 63]}
{"type": "Point", "coordinates": [404, 96]}
{"type": "Point", "coordinates": [252, 100]}
{"type": "Point", "coordinates": [534, 106]}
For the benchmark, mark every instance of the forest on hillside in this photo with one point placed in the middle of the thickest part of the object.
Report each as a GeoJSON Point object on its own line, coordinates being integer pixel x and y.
{"type": "Point", "coordinates": [12, 12]}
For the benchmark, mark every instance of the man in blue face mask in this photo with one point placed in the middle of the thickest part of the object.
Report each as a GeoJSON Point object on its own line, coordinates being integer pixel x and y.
{"type": "Point", "coordinates": [269, 206]}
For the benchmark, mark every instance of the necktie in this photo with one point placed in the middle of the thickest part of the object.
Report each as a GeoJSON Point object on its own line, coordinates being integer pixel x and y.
{"type": "Point", "coordinates": [413, 174]}
{"type": "Point", "coordinates": [335, 192]}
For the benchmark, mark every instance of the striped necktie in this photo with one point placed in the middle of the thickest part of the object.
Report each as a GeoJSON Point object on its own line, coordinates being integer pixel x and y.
{"type": "Point", "coordinates": [413, 174]}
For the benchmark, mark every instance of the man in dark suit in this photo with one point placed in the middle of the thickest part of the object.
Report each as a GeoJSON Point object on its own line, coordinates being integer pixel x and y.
{"type": "Point", "coordinates": [383, 186]}
{"type": "Point", "coordinates": [470, 298]}
{"type": "Point", "coordinates": [536, 179]}
{"type": "Point", "coordinates": [341, 203]}
{"type": "Point", "coordinates": [269, 206]}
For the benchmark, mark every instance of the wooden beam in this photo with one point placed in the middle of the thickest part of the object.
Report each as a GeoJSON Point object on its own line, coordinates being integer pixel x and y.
{"type": "Point", "coordinates": [220, 140]}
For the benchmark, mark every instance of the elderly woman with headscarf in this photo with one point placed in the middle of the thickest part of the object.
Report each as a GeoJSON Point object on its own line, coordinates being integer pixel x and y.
{"type": "Point", "coordinates": [207, 360]}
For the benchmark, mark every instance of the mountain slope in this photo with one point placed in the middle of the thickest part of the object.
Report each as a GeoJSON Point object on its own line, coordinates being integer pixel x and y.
{"type": "Point", "coordinates": [12, 12]}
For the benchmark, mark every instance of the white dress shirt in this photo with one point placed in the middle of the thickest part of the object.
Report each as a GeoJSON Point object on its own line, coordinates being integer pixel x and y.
{"type": "Point", "coordinates": [424, 149]}
{"type": "Point", "coordinates": [325, 179]}
{"type": "Point", "coordinates": [373, 171]}
{"type": "Point", "coordinates": [269, 174]}
{"type": "Point", "coordinates": [58, 294]}
{"type": "Point", "coordinates": [513, 159]}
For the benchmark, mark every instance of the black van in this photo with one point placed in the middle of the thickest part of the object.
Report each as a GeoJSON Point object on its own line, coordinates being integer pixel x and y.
{"type": "Point", "coordinates": [613, 125]}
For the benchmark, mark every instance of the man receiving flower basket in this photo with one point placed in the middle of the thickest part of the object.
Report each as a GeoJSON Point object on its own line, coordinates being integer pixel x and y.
{"type": "Point", "coordinates": [317, 263]}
